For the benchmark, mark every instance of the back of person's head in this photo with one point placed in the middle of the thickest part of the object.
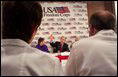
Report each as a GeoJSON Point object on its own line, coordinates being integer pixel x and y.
{"type": "Point", "coordinates": [40, 40]}
{"type": "Point", "coordinates": [102, 20]}
{"type": "Point", "coordinates": [20, 19]}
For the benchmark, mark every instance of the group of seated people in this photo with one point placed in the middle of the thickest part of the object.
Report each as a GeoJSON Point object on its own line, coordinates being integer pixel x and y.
{"type": "Point", "coordinates": [56, 46]}
{"type": "Point", "coordinates": [92, 56]}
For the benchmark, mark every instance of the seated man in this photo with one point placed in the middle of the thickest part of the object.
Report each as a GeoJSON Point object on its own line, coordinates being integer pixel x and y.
{"type": "Point", "coordinates": [96, 55]}
{"type": "Point", "coordinates": [20, 23]}
{"type": "Point", "coordinates": [41, 45]}
{"type": "Point", "coordinates": [59, 46]}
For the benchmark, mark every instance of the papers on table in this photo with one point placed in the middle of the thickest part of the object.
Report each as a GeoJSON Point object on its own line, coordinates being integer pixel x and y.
{"type": "Point", "coordinates": [65, 53]}
{"type": "Point", "coordinates": [62, 54]}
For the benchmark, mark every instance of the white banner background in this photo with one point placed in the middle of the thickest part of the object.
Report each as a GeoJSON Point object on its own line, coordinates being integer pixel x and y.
{"type": "Point", "coordinates": [71, 26]}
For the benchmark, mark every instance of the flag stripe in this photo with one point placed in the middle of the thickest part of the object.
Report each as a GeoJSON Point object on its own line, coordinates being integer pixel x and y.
{"type": "Point", "coordinates": [62, 9]}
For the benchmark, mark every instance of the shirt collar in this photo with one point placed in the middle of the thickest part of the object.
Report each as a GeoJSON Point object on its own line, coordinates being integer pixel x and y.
{"type": "Point", "coordinates": [15, 42]}
{"type": "Point", "coordinates": [106, 33]}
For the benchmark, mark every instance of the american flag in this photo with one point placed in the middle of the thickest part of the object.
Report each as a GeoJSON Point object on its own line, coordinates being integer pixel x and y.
{"type": "Point", "coordinates": [62, 10]}
{"type": "Point", "coordinates": [66, 9]}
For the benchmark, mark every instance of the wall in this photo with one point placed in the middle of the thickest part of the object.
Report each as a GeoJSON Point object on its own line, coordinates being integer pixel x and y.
{"type": "Point", "coordinates": [94, 6]}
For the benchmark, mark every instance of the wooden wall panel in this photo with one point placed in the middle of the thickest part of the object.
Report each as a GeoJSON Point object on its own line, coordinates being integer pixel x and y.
{"type": "Point", "coordinates": [94, 6]}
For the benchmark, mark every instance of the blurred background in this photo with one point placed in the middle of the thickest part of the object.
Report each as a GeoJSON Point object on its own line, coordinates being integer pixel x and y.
{"type": "Point", "coordinates": [71, 22]}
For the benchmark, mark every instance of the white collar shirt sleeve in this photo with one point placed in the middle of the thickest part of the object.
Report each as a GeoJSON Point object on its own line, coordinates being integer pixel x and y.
{"type": "Point", "coordinates": [94, 56]}
{"type": "Point", "coordinates": [19, 59]}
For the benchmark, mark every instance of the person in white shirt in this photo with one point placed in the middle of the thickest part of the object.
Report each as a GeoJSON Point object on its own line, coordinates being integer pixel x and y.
{"type": "Point", "coordinates": [20, 21]}
{"type": "Point", "coordinates": [96, 55]}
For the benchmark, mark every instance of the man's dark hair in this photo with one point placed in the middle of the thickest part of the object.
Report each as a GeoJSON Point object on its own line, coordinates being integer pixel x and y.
{"type": "Point", "coordinates": [103, 20]}
{"type": "Point", "coordinates": [20, 19]}
{"type": "Point", "coordinates": [40, 40]}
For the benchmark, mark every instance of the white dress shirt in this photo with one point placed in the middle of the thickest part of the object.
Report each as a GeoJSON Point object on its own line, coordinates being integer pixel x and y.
{"type": "Point", "coordinates": [94, 56]}
{"type": "Point", "coordinates": [20, 59]}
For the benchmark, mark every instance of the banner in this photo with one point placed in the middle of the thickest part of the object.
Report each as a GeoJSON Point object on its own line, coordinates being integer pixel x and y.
{"type": "Point", "coordinates": [69, 19]}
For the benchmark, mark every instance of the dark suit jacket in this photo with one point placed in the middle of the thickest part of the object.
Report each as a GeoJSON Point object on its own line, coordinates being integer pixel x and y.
{"type": "Point", "coordinates": [56, 47]}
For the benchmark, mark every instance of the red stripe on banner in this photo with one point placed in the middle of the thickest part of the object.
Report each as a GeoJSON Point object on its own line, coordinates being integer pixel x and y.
{"type": "Point", "coordinates": [60, 10]}
{"type": "Point", "coordinates": [66, 9]}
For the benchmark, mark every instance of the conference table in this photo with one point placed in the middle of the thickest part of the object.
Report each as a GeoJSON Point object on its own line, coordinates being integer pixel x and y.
{"type": "Point", "coordinates": [63, 57]}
